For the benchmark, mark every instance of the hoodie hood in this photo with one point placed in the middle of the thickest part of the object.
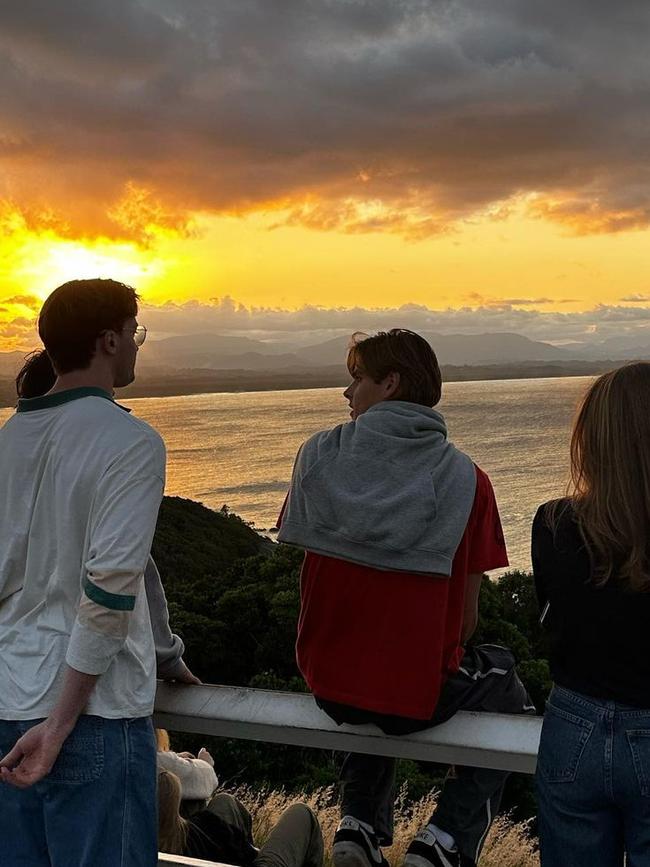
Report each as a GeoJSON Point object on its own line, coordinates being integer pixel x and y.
{"type": "Point", "coordinates": [387, 490]}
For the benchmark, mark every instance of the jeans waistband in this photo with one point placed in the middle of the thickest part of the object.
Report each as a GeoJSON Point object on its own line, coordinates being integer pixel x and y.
{"type": "Point", "coordinates": [596, 704]}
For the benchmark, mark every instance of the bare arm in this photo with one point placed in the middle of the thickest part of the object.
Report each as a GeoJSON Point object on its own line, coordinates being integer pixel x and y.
{"type": "Point", "coordinates": [34, 754]}
{"type": "Point", "coordinates": [470, 614]}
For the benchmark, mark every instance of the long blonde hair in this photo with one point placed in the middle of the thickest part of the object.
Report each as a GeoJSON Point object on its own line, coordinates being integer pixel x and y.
{"type": "Point", "coordinates": [610, 475]}
{"type": "Point", "coordinates": [172, 828]}
{"type": "Point", "coordinates": [162, 741]}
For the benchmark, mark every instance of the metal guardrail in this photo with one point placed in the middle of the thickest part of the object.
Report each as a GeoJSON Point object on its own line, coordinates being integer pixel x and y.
{"type": "Point", "coordinates": [477, 739]}
{"type": "Point", "coordinates": [181, 861]}
{"type": "Point", "coordinates": [482, 740]}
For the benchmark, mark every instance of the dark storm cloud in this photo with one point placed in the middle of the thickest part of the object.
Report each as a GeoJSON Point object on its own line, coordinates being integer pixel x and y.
{"type": "Point", "coordinates": [430, 111]}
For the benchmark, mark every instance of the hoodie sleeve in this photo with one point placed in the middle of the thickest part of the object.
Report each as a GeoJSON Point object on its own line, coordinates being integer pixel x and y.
{"type": "Point", "coordinates": [169, 647]}
{"type": "Point", "coordinates": [120, 531]}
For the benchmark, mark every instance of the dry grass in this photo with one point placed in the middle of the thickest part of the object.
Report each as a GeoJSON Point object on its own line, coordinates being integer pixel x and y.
{"type": "Point", "coordinates": [508, 844]}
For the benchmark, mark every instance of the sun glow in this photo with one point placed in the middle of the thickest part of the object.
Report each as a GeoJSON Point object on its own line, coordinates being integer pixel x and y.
{"type": "Point", "coordinates": [36, 259]}
{"type": "Point", "coordinates": [268, 259]}
{"type": "Point", "coordinates": [48, 263]}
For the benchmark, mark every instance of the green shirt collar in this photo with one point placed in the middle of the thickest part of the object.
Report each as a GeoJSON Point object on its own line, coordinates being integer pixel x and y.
{"type": "Point", "coordinates": [47, 401]}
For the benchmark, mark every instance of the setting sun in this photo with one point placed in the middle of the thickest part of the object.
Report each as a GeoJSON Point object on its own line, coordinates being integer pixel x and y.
{"type": "Point", "coordinates": [45, 261]}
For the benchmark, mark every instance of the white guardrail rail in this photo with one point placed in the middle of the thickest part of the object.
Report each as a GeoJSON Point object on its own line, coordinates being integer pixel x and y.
{"type": "Point", "coordinates": [479, 740]}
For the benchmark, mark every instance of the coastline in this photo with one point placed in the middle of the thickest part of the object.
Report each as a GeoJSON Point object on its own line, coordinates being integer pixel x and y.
{"type": "Point", "coordinates": [204, 381]}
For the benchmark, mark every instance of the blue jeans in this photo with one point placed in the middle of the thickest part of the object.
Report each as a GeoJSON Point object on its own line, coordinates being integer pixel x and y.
{"type": "Point", "coordinates": [96, 807]}
{"type": "Point", "coordinates": [593, 783]}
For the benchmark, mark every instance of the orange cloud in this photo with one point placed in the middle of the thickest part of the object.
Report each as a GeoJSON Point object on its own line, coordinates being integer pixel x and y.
{"type": "Point", "coordinates": [143, 217]}
{"type": "Point", "coordinates": [582, 216]}
{"type": "Point", "coordinates": [137, 215]}
{"type": "Point", "coordinates": [18, 218]}
{"type": "Point", "coordinates": [39, 250]}
{"type": "Point", "coordinates": [32, 302]}
{"type": "Point", "coordinates": [359, 216]}
{"type": "Point", "coordinates": [17, 333]}
{"type": "Point", "coordinates": [433, 112]}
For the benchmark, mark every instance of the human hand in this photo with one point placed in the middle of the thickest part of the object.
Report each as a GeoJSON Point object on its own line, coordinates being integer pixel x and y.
{"type": "Point", "coordinates": [33, 755]}
{"type": "Point", "coordinates": [182, 674]}
{"type": "Point", "coordinates": [205, 755]}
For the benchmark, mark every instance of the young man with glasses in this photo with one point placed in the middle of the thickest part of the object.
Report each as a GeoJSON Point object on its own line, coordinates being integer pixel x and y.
{"type": "Point", "coordinates": [82, 482]}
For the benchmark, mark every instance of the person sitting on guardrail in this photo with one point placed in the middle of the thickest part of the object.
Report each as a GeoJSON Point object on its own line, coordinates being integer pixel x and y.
{"type": "Point", "coordinates": [591, 563]}
{"type": "Point", "coordinates": [399, 527]}
{"type": "Point", "coordinates": [196, 773]}
{"type": "Point", "coordinates": [223, 831]}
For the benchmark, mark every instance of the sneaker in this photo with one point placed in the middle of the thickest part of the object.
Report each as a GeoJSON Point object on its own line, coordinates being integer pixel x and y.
{"type": "Point", "coordinates": [354, 846]}
{"type": "Point", "coordinates": [426, 851]}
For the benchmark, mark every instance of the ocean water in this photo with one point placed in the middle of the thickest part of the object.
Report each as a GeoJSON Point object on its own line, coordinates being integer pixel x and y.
{"type": "Point", "coordinates": [238, 449]}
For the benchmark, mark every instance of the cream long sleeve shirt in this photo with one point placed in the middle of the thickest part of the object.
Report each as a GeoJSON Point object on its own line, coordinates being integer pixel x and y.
{"type": "Point", "coordinates": [81, 482]}
{"type": "Point", "coordinates": [197, 777]}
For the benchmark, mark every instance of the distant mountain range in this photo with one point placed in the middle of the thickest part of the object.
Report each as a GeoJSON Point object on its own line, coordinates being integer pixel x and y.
{"type": "Point", "coordinates": [209, 352]}
{"type": "Point", "coordinates": [217, 352]}
{"type": "Point", "coordinates": [222, 352]}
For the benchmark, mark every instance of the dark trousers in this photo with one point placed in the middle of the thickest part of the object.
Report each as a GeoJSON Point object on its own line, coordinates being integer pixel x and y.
{"type": "Point", "coordinates": [486, 681]}
{"type": "Point", "coordinates": [294, 841]}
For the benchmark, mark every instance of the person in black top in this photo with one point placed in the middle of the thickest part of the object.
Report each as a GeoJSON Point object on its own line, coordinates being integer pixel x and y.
{"type": "Point", "coordinates": [223, 831]}
{"type": "Point", "coordinates": [591, 563]}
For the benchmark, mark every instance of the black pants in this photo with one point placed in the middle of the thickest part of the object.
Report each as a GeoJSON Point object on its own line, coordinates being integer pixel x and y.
{"type": "Point", "coordinates": [294, 841]}
{"type": "Point", "coordinates": [486, 681]}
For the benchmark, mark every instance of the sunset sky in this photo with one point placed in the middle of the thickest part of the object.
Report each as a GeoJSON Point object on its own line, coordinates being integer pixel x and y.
{"type": "Point", "coordinates": [485, 160]}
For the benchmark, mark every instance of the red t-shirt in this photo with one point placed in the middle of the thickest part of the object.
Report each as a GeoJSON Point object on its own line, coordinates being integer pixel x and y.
{"type": "Point", "coordinates": [386, 641]}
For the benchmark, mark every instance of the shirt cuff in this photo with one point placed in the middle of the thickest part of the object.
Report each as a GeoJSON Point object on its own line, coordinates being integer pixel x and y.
{"type": "Point", "coordinates": [169, 668]}
{"type": "Point", "coordinates": [90, 652]}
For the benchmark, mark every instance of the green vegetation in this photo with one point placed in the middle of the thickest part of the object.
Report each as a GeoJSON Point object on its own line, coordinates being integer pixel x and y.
{"type": "Point", "coordinates": [234, 598]}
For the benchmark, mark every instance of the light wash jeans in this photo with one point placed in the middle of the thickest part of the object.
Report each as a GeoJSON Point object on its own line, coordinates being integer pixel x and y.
{"type": "Point", "coordinates": [97, 806]}
{"type": "Point", "coordinates": [593, 783]}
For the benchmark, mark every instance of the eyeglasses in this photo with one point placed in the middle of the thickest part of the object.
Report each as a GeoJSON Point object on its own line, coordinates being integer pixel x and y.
{"type": "Point", "coordinates": [139, 334]}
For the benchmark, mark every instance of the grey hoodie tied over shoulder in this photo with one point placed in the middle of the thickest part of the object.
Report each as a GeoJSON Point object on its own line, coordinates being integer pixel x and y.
{"type": "Point", "coordinates": [387, 490]}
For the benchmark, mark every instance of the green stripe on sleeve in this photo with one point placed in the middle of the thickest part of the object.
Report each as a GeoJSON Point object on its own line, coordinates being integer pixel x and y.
{"type": "Point", "coordinates": [108, 600]}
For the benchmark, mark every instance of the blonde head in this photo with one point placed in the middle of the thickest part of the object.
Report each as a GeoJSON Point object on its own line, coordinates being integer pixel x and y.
{"type": "Point", "coordinates": [172, 828]}
{"type": "Point", "coordinates": [610, 475]}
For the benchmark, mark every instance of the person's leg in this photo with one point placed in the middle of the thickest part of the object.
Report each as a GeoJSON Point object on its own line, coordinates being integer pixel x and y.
{"type": "Point", "coordinates": [579, 821]}
{"type": "Point", "coordinates": [100, 797]}
{"type": "Point", "coordinates": [368, 782]}
{"type": "Point", "coordinates": [22, 831]}
{"type": "Point", "coordinates": [582, 838]}
{"type": "Point", "coordinates": [140, 845]}
{"type": "Point", "coordinates": [632, 782]}
{"type": "Point", "coordinates": [487, 681]}
{"type": "Point", "coordinates": [368, 792]}
{"type": "Point", "coordinates": [190, 806]}
{"type": "Point", "coordinates": [295, 841]}
{"type": "Point", "coordinates": [233, 812]}
{"type": "Point", "coordinates": [467, 805]}
{"type": "Point", "coordinates": [636, 833]}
